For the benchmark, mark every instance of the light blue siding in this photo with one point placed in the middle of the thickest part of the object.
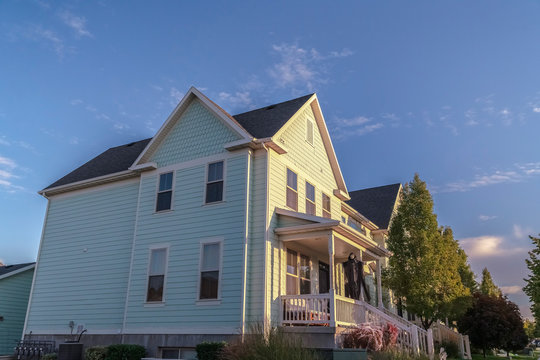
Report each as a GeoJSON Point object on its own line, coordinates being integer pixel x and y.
{"type": "Point", "coordinates": [84, 261]}
{"type": "Point", "coordinates": [198, 133]}
{"type": "Point", "coordinates": [182, 229]}
{"type": "Point", "coordinates": [14, 293]}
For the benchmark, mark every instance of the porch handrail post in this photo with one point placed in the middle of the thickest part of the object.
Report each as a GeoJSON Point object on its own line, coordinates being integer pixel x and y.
{"type": "Point", "coordinates": [467, 346]}
{"type": "Point", "coordinates": [430, 345]}
{"type": "Point", "coordinates": [461, 347]}
{"type": "Point", "coordinates": [379, 285]}
{"type": "Point", "coordinates": [414, 339]}
{"type": "Point", "coordinates": [332, 280]}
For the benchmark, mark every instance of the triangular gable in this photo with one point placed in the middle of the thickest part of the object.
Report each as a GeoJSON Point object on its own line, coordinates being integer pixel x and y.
{"type": "Point", "coordinates": [341, 192]}
{"type": "Point", "coordinates": [192, 94]}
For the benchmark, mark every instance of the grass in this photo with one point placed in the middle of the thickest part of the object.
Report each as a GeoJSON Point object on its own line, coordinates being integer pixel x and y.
{"type": "Point", "coordinates": [491, 357]}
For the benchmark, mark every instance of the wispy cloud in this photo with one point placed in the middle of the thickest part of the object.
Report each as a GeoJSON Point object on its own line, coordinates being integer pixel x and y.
{"type": "Point", "coordinates": [356, 126]}
{"type": "Point", "coordinates": [299, 67]}
{"type": "Point", "coordinates": [520, 173]}
{"type": "Point", "coordinates": [521, 232]}
{"type": "Point", "coordinates": [7, 167]}
{"type": "Point", "coordinates": [175, 96]}
{"type": "Point", "coordinates": [487, 246]}
{"type": "Point", "coordinates": [514, 289]}
{"type": "Point", "coordinates": [486, 217]}
{"type": "Point", "coordinates": [239, 99]}
{"type": "Point", "coordinates": [39, 34]}
{"type": "Point", "coordinates": [77, 23]}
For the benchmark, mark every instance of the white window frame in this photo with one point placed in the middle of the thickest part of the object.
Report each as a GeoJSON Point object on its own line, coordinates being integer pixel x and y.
{"type": "Point", "coordinates": [314, 202]}
{"type": "Point", "coordinates": [151, 248]}
{"type": "Point", "coordinates": [297, 277]}
{"type": "Point", "coordinates": [329, 211]}
{"type": "Point", "coordinates": [310, 122]}
{"type": "Point", "coordinates": [206, 181]}
{"type": "Point", "coordinates": [158, 192]}
{"type": "Point", "coordinates": [287, 187]}
{"type": "Point", "coordinates": [203, 242]}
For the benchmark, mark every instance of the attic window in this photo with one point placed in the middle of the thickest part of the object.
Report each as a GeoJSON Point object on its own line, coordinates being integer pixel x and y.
{"type": "Point", "coordinates": [309, 131]}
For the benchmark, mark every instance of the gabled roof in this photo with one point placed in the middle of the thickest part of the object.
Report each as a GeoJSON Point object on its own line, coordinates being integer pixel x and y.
{"type": "Point", "coordinates": [114, 160]}
{"type": "Point", "coordinates": [376, 204]}
{"type": "Point", "coordinates": [8, 270]}
{"type": "Point", "coordinates": [266, 121]}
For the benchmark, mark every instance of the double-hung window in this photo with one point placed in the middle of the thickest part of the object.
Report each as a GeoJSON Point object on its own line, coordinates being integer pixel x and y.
{"type": "Point", "coordinates": [326, 211]}
{"type": "Point", "coordinates": [298, 273]}
{"type": "Point", "coordinates": [310, 199]}
{"type": "Point", "coordinates": [214, 182]}
{"type": "Point", "coordinates": [210, 267]}
{"type": "Point", "coordinates": [156, 274]}
{"type": "Point", "coordinates": [292, 190]}
{"type": "Point", "coordinates": [164, 195]}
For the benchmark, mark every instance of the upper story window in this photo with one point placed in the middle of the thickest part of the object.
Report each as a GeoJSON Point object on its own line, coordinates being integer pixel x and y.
{"type": "Point", "coordinates": [326, 210]}
{"type": "Point", "coordinates": [310, 199]}
{"type": "Point", "coordinates": [214, 182]}
{"type": "Point", "coordinates": [292, 190]}
{"type": "Point", "coordinates": [156, 274]}
{"type": "Point", "coordinates": [309, 131]}
{"type": "Point", "coordinates": [210, 267]}
{"type": "Point", "coordinates": [164, 195]}
{"type": "Point", "coordinates": [298, 273]}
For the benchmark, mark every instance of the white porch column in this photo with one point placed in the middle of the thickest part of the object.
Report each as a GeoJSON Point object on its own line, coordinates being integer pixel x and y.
{"type": "Point", "coordinates": [379, 285]}
{"type": "Point", "coordinates": [361, 287]}
{"type": "Point", "coordinates": [332, 280]}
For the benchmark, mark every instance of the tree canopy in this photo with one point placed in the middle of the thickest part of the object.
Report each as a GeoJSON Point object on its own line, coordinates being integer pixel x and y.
{"type": "Point", "coordinates": [493, 322]}
{"type": "Point", "coordinates": [424, 270]}
{"type": "Point", "coordinates": [487, 286]}
{"type": "Point", "coordinates": [532, 289]}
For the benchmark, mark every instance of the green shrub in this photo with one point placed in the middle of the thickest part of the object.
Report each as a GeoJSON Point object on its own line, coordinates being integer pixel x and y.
{"type": "Point", "coordinates": [450, 348]}
{"type": "Point", "coordinates": [125, 352]}
{"type": "Point", "coordinates": [95, 353]}
{"type": "Point", "coordinates": [51, 356]}
{"type": "Point", "coordinates": [210, 350]}
{"type": "Point", "coordinates": [275, 344]}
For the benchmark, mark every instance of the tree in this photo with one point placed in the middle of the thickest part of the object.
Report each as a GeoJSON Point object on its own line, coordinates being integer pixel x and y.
{"type": "Point", "coordinates": [531, 329]}
{"type": "Point", "coordinates": [493, 322]}
{"type": "Point", "coordinates": [532, 289]}
{"type": "Point", "coordinates": [424, 267]}
{"type": "Point", "coordinates": [465, 272]}
{"type": "Point", "coordinates": [487, 286]}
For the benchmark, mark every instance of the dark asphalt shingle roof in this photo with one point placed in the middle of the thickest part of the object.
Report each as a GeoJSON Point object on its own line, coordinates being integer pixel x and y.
{"type": "Point", "coordinates": [375, 203]}
{"type": "Point", "coordinates": [260, 123]}
{"type": "Point", "coordinates": [10, 268]}
{"type": "Point", "coordinates": [266, 121]}
{"type": "Point", "coordinates": [114, 160]}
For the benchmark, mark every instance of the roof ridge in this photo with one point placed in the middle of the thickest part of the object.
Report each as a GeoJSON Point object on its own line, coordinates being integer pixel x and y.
{"type": "Point", "coordinates": [275, 104]}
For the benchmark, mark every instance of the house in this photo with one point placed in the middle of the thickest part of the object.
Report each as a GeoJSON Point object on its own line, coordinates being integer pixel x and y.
{"type": "Point", "coordinates": [215, 223]}
{"type": "Point", "coordinates": [15, 284]}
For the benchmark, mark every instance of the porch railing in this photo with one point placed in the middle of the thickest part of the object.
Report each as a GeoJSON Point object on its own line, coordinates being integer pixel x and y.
{"type": "Point", "coordinates": [442, 333]}
{"type": "Point", "coordinates": [317, 310]}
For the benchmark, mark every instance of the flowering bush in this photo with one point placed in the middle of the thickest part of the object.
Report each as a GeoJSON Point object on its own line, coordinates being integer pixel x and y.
{"type": "Point", "coordinates": [390, 335]}
{"type": "Point", "coordinates": [371, 337]}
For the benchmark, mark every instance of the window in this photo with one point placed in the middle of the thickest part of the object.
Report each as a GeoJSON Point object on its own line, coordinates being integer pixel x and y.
{"type": "Point", "coordinates": [324, 278]}
{"type": "Point", "coordinates": [179, 353]}
{"type": "Point", "coordinates": [210, 264]}
{"type": "Point", "coordinates": [309, 131]}
{"type": "Point", "coordinates": [214, 182]}
{"type": "Point", "coordinates": [164, 195]}
{"type": "Point", "coordinates": [326, 206]}
{"type": "Point", "coordinates": [298, 273]}
{"type": "Point", "coordinates": [310, 199]}
{"type": "Point", "coordinates": [292, 190]}
{"type": "Point", "coordinates": [156, 275]}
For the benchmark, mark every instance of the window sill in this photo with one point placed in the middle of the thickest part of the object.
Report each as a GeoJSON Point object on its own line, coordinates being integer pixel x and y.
{"type": "Point", "coordinates": [154, 304]}
{"type": "Point", "coordinates": [214, 203]}
{"type": "Point", "coordinates": [164, 211]}
{"type": "Point", "coordinates": [208, 302]}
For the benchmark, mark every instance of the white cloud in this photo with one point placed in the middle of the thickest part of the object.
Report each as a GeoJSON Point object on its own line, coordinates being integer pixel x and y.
{"type": "Point", "coordinates": [520, 232]}
{"type": "Point", "coordinates": [487, 217]}
{"type": "Point", "coordinates": [536, 109]}
{"type": "Point", "coordinates": [77, 23]}
{"type": "Point", "coordinates": [514, 289]}
{"type": "Point", "coordinates": [49, 37]}
{"type": "Point", "coordinates": [7, 162]}
{"type": "Point", "coordinates": [176, 95]}
{"type": "Point", "coordinates": [240, 99]}
{"type": "Point", "coordinates": [76, 102]}
{"type": "Point", "coordinates": [7, 166]}
{"type": "Point", "coordinates": [4, 141]}
{"type": "Point", "coordinates": [73, 140]}
{"type": "Point", "coordinates": [487, 246]}
{"type": "Point", "coordinates": [359, 125]}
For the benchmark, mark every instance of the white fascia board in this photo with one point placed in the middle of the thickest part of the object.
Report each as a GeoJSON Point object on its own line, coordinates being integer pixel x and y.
{"type": "Point", "coordinates": [88, 182]}
{"type": "Point", "coordinates": [18, 271]}
{"type": "Point", "coordinates": [144, 167]}
{"type": "Point", "coordinates": [242, 143]}
{"type": "Point", "coordinates": [298, 215]}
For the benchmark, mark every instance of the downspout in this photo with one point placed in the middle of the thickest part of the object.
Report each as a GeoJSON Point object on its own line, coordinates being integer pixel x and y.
{"type": "Point", "coordinates": [36, 267]}
{"type": "Point", "coordinates": [246, 239]}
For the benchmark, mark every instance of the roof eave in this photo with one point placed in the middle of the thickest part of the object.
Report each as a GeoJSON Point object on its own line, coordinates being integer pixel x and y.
{"type": "Point", "coordinates": [100, 180]}
{"type": "Point", "coordinates": [18, 271]}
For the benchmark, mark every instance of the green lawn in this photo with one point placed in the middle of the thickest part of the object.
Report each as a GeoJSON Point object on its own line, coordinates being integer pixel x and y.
{"type": "Point", "coordinates": [491, 357]}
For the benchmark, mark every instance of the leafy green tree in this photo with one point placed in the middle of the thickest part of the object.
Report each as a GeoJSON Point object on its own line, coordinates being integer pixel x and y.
{"type": "Point", "coordinates": [532, 289]}
{"type": "Point", "coordinates": [493, 322]}
{"type": "Point", "coordinates": [531, 329]}
{"type": "Point", "coordinates": [424, 267]}
{"type": "Point", "coordinates": [468, 278]}
{"type": "Point", "coordinates": [487, 286]}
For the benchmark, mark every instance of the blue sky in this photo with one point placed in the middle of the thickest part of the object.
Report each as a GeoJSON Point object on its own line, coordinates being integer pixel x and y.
{"type": "Point", "coordinates": [448, 89]}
